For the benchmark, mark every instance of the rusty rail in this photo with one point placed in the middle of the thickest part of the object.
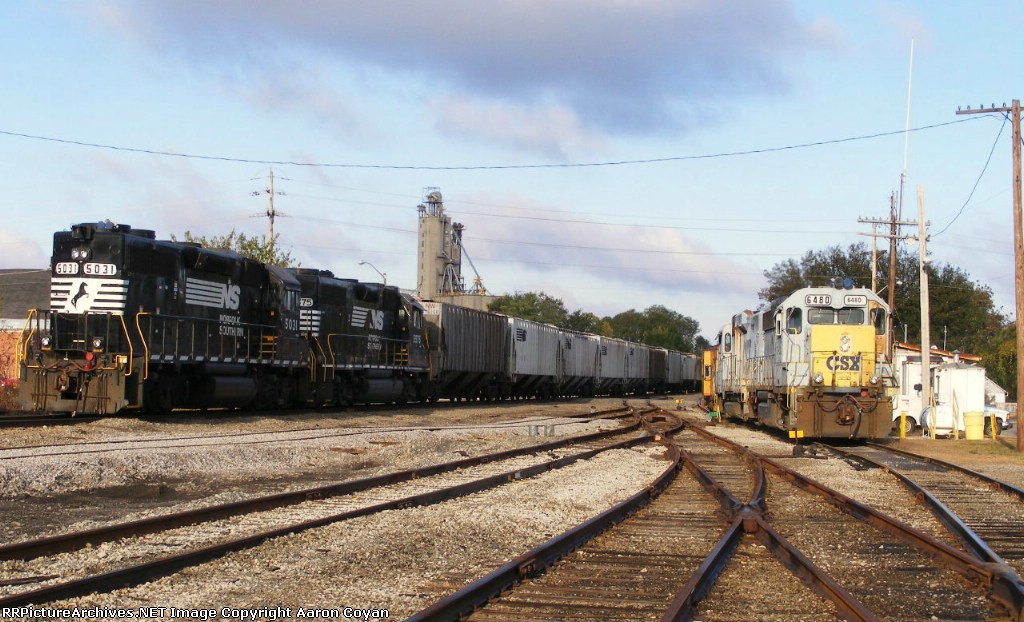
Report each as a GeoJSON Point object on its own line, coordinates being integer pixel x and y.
{"type": "Point", "coordinates": [68, 542]}
{"type": "Point", "coordinates": [148, 571]}
{"type": "Point", "coordinates": [1004, 584]}
{"type": "Point", "coordinates": [462, 602]}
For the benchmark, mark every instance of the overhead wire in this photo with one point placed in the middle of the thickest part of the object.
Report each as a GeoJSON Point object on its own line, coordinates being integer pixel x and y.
{"type": "Point", "coordinates": [520, 208]}
{"type": "Point", "coordinates": [550, 165]}
{"type": "Point", "coordinates": [991, 151]}
{"type": "Point", "coordinates": [757, 230]}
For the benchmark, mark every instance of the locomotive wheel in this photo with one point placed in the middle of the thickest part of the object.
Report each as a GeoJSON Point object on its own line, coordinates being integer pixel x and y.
{"type": "Point", "coordinates": [160, 394]}
{"type": "Point", "coordinates": [286, 393]}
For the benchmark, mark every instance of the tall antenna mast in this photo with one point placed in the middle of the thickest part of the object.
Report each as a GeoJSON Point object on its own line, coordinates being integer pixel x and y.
{"type": "Point", "coordinates": [906, 130]}
{"type": "Point", "coordinates": [896, 211]}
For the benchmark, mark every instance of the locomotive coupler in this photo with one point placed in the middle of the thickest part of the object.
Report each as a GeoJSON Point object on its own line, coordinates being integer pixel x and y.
{"type": "Point", "coordinates": [848, 412]}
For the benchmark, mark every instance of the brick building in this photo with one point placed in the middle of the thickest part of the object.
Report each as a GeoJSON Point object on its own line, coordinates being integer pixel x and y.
{"type": "Point", "coordinates": [20, 291]}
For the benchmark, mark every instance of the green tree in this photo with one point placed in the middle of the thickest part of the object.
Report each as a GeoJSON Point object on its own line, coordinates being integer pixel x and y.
{"type": "Point", "coordinates": [586, 322]}
{"type": "Point", "coordinates": [629, 325]}
{"type": "Point", "coordinates": [659, 326]}
{"type": "Point", "coordinates": [253, 247]}
{"type": "Point", "coordinates": [817, 268]}
{"type": "Point", "coordinates": [536, 307]}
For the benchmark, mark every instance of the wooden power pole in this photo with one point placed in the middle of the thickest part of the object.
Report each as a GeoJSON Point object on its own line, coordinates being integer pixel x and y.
{"type": "Point", "coordinates": [894, 236]}
{"type": "Point", "coordinates": [1018, 247]}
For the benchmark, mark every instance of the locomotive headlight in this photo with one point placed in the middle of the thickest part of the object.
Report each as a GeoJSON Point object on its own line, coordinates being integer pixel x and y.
{"type": "Point", "coordinates": [45, 343]}
{"type": "Point", "coordinates": [74, 253]}
{"type": "Point", "coordinates": [845, 343]}
{"type": "Point", "coordinates": [819, 378]}
{"type": "Point", "coordinates": [80, 254]}
{"type": "Point", "coordinates": [97, 343]}
{"type": "Point", "coordinates": [873, 379]}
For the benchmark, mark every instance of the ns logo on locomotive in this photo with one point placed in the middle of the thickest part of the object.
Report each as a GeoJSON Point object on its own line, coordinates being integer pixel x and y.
{"type": "Point", "coordinates": [137, 323]}
{"type": "Point", "coordinates": [811, 364]}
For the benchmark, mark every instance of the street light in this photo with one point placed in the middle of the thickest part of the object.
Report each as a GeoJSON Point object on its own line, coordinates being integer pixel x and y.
{"type": "Point", "coordinates": [383, 275]}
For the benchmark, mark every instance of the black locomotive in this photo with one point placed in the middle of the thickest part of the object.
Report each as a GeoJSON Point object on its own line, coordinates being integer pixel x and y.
{"type": "Point", "coordinates": [137, 323]}
{"type": "Point", "coordinates": [366, 341]}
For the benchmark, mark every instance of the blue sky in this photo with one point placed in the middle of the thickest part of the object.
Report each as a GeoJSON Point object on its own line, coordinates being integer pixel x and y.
{"type": "Point", "coordinates": [470, 96]}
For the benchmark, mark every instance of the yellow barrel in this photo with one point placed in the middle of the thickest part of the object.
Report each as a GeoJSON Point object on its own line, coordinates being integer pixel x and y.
{"type": "Point", "coordinates": [974, 423]}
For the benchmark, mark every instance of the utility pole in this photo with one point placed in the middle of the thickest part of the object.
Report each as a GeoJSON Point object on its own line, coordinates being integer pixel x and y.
{"type": "Point", "coordinates": [894, 236]}
{"type": "Point", "coordinates": [1018, 245]}
{"type": "Point", "coordinates": [926, 326]}
{"type": "Point", "coordinates": [874, 257]}
{"type": "Point", "coordinates": [271, 213]}
{"type": "Point", "coordinates": [894, 232]}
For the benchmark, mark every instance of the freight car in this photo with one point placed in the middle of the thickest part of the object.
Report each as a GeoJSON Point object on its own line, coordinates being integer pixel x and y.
{"type": "Point", "coordinates": [150, 325]}
{"type": "Point", "coordinates": [680, 371]}
{"type": "Point", "coordinates": [808, 364]}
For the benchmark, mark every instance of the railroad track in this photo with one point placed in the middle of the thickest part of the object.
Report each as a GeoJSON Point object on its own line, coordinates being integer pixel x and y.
{"type": "Point", "coordinates": [278, 436]}
{"type": "Point", "coordinates": [846, 560]}
{"type": "Point", "coordinates": [29, 420]}
{"type": "Point", "coordinates": [38, 419]}
{"type": "Point", "coordinates": [139, 555]}
{"type": "Point", "coordinates": [985, 514]}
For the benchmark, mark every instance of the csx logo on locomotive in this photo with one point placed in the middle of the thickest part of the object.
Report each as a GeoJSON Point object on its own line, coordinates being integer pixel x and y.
{"type": "Point", "coordinates": [843, 363]}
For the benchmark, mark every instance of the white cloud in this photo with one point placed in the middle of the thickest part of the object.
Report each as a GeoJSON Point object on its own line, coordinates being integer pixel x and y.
{"type": "Point", "coordinates": [642, 66]}
{"type": "Point", "coordinates": [655, 259]}
{"type": "Point", "coordinates": [21, 252]}
{"type": "Point", "coordinates": [551, 129]}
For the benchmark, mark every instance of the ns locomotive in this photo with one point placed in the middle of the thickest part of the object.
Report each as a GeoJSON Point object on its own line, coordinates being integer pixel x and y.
{"type": "Point", "coordinates": [141, 324]}
{"type": "Point", "coordinates": [810, 364]}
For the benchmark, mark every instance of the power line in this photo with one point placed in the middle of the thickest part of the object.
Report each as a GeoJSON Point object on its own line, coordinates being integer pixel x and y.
{"type": "Point", "coordinates": [757, 230]}
{"type": "Point", "coordinates": [520, 208]}
{"type": "Point", "coordinates": [1006, 118]}
{"type": "Point", "coordinates": [707, 156]}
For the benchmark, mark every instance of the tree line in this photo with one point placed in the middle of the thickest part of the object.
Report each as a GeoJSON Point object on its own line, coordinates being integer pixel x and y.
{"type": "Point", "coordinates": [656, 325]}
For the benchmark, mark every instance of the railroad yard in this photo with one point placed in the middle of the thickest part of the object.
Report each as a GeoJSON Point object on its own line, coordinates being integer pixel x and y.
{"type": "Point", "coordinates": [317, 549]}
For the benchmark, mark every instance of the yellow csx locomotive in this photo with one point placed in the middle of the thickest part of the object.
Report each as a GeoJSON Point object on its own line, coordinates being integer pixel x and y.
{"type": "Point", "coordinates": [810, 364]}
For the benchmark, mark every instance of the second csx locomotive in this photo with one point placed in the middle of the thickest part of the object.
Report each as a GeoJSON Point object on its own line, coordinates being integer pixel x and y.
{"type": "Point", "coordinates": [137, 323]}
{"type": "Point", "coordinates": [809, 364]}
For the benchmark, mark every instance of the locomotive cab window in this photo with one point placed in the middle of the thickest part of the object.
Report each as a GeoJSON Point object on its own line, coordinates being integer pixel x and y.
{"type": "Point", "coordinates": [794, 320]}
{"type": "Point", "coordinates": [727, 342]}
{"type": "Point", "coordinates": [878, 319]}
{"type": "Point", "coordinates": [833, 316]}
{"type": "Point", "coordinates": [850, 316]}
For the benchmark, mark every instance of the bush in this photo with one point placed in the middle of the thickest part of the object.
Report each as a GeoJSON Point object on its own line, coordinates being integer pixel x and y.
{"type": "Point", "coordinates": [8, 395]}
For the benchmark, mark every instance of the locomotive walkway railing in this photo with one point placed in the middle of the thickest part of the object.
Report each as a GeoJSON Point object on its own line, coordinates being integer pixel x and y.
{"type": "Point", "coordinates": [182, 339]}
{"type": "Point", "coordinates": [366, 351]}
{"type": "Point", "coordinates": [97, 333]}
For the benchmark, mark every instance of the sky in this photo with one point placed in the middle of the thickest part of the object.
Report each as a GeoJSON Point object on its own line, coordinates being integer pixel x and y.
{"type": "Point", "coordinates": [614, 154]}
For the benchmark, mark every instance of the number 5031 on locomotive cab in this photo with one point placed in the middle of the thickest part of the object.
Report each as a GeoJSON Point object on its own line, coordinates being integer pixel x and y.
{"type": "Point", "coordinates": [810, 364]}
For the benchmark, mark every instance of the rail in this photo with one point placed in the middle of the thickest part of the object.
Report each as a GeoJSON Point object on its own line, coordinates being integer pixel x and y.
{"type": "Point", "coordinates": [1006, 587]}
{"type": "Point", "coordinates": [155, 568]}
